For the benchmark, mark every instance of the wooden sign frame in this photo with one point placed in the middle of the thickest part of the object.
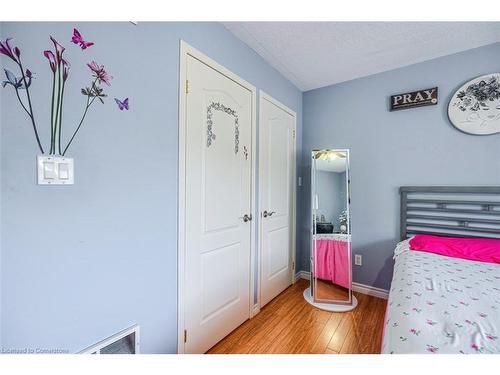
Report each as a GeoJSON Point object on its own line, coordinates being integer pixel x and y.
{"type": "Point", "coordinates": [414, 99]}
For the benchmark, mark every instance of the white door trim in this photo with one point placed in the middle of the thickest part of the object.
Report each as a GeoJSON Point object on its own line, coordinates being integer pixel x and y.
{"type": "Point", "coordinates": [264, 96]}
{"type": "Point", "coordinates": [185, 51]}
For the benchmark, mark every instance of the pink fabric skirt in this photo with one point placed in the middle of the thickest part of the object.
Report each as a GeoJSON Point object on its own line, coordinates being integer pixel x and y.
{"type": "Point", "coordinates": [332, 262]}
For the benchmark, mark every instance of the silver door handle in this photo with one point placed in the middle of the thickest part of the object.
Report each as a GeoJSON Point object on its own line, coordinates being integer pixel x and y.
{"type": "Point", "coordinates": [246, 218]}
{"type": "Point", "coordinates": [266, 214]}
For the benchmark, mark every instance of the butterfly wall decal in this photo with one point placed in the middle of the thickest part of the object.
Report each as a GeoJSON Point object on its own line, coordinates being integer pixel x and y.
{"type": "Point", "coordinates": [122, 104]}
{"type": "Point", "coordinates": [77, 39]}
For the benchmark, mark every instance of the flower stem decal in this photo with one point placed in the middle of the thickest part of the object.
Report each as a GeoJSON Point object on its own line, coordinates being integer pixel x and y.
{"type": "Point", "coordinates": [60, 69]}
{"type": "Point", "coordinates": [20, 83]}
{"type": "Point", "coordinates": [94, 92]}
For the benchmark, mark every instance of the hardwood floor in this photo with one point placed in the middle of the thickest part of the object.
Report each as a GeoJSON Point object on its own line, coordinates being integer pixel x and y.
{"type": "Point", "coordinates": [329, 291]}
{"type": "Point", "coordinates": [288, 324]}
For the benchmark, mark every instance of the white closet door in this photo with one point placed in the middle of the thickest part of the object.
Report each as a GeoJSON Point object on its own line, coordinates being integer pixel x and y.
{"type": "Point", "coordinates": [277, 127]}
{"type": "Point", "coordinates": [218, 195]}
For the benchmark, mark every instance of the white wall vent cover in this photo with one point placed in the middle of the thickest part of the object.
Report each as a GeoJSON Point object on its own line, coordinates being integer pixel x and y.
{"type": "Point", "coordinates": [124, 342]}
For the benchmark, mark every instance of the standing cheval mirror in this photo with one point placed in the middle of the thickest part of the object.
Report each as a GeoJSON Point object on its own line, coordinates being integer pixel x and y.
{"type": "Point", "coordinates": [331, 267]}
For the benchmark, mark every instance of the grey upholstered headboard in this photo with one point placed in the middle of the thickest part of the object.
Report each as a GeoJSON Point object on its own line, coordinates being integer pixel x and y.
{"type": "Point", "coordinates": [458, 211]}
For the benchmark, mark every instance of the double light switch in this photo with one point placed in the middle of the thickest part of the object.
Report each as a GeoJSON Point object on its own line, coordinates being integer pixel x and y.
{"type": "Point", "coordinates": [55, 170]}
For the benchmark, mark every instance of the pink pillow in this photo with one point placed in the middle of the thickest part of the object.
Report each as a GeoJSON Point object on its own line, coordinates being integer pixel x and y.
{"type": "Point", "coordinates": [478, 249]}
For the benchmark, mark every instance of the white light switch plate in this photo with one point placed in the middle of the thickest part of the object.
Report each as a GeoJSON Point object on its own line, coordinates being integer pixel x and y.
{"type": "Point", "coordinates": [358, 260]}
{"type": "Point", "coordinates": [55, 170]}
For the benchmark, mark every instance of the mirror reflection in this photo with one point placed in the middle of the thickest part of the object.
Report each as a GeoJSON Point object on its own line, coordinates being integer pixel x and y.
{"type": "Point", "coordinates": [331, 227]}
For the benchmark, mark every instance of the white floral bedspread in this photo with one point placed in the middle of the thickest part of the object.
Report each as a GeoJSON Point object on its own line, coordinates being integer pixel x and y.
{"type": "Point", "coordinates": [439, 304]}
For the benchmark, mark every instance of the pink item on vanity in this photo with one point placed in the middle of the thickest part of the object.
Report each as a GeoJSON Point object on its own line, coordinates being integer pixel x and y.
{"type": "Point", "coordinates": [332, 261]}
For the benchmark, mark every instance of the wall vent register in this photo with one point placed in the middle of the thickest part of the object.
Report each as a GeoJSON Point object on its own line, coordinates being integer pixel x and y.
{"type": "Point", "coordinates": [123, 342]}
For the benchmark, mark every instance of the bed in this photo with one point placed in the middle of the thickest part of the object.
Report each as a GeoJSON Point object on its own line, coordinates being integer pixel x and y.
{"type": "Point", "coordinates": [441, 304]}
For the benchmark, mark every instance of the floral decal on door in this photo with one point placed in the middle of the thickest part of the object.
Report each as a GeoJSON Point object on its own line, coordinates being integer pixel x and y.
{"type": "Point", "coordinates": [217, 106]}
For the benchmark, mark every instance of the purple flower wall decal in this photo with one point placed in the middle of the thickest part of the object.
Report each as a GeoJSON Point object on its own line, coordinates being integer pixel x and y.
{"type": "Point", "coordinates": [100, 73]}
{"type": "Point", "coordinates": [92, 93]}
{"type": "Point", "coordinates": [59, 49]}
{"type": "Point", "coordinates": [65, 66]}
{"type": "Point", "coordinates": [6, 49]}
{"type": "Point", "coordinates": [52, 60]}
{"type": "Point", "coordinates": [17, 52]}
{"type": "Point", "coordinates": [11, 80]}
{"type": "Point", "coordinates": [60, 67]}
{"type": "Point", "coordinates": [22, 82]}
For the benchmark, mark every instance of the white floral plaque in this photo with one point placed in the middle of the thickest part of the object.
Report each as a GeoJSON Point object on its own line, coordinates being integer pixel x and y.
{"type": "Point", "coordinates": [475, 107]}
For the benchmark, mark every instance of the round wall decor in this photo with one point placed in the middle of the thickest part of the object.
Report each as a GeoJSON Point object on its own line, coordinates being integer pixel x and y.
{"type": "Point", "coordinates": [475, 107]}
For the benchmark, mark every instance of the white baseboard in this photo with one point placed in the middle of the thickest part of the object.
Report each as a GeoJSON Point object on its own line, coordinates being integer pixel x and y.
{"type": "Point", "coordinates": [357, 287]}
{"type": "Point", "coordinates": [303, 275]}
{"type": "Point", "coordinates": [255, 310]}
{"type": "Point", "coordinates": [370, 290]}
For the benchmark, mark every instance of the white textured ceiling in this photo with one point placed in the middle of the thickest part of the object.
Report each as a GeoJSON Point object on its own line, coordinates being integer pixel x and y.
{"type": "Point", "coordinates": [317, 54]}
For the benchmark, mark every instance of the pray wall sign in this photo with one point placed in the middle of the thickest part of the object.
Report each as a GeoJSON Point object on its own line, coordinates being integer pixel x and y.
{"type": "Point", "coordinates": [414, 99]}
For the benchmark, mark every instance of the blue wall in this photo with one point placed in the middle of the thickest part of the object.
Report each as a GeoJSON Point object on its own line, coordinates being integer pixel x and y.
{"type": "Point", "coordinates": [79, 263]}
{"type": "Point", "coordinates": [388, 149]}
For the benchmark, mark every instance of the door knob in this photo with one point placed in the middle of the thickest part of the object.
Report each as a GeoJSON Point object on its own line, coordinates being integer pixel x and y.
{"type": "Point", "coordinates": [266, 214]}
{"type": "Point", "coordinates": [246, 218]}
